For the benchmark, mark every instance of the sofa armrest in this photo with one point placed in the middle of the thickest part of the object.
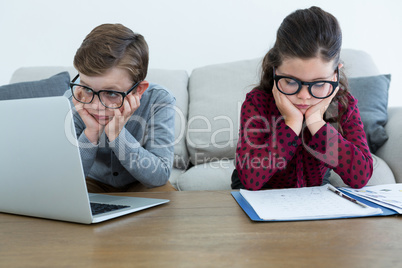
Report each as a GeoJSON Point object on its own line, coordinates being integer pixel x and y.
{"type": "Point", "coordinates": [391, 151]}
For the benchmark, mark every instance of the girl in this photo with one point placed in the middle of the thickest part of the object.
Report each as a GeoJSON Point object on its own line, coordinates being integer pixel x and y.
{"type": "Point", "coordinates": [301, 120]}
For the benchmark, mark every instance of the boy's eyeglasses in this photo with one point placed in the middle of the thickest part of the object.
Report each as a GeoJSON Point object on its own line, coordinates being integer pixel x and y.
{"type": "Point", "coordinates": [109, 98]}
{"type": "Point", "coordinates": [317, 89]}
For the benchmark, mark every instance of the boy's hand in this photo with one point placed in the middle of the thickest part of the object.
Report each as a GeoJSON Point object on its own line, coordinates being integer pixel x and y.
{"type": "Point", "coordinates": [122, 115]}
{"type": "Point", "coordinates": [93, 129]}
{"type": "Point", "coordinates": [293, 116]}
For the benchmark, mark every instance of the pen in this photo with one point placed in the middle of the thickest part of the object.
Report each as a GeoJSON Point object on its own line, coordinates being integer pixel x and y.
{"type": "Point", "coordinates": [334, 190]}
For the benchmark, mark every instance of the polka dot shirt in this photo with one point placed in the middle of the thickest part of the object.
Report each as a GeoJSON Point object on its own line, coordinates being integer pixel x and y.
{"type": "Point", "coordinates": [270, 155]}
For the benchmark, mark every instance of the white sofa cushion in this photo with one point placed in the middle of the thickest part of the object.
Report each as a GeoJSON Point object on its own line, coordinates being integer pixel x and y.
{"type": "Point", "coordinates": [216, 95]}
{"type": "Point", "coordinates": [211, 176]}
{"type": "Point", "coordinates": [174, 176]}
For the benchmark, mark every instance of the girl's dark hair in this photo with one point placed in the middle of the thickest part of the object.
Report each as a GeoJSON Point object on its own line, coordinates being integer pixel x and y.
{"type": "Point", "coordinates": [113, 45]}
{"type": "Point", "coordinates": [305, 34]}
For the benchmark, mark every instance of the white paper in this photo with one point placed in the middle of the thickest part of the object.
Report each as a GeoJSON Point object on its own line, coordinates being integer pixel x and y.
{"type": "Point", "coordinates": [387, 195]}
{"type": "Point", "coordinates": [303, 203]}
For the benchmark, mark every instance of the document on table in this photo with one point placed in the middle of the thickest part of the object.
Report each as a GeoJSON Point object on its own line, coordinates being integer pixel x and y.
{"type": "Point", "coordinates": [387, 195]}
{"type": "Point", "coordinates": [304, 204]}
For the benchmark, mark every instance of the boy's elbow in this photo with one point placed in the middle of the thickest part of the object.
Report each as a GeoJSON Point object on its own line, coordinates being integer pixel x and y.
{"type": "Point", "coordinates": [163, 177]}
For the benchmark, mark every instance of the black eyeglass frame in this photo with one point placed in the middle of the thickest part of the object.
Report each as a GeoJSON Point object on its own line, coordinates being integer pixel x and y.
{"type": "Point", "coordinates": [123, 94]}
{"type": "Point", "coordinates": [334, 84]}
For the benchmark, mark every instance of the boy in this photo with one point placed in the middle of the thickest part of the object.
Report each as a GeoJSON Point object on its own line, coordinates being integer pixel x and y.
{"type": "Point", "coordinates": [124, 125]}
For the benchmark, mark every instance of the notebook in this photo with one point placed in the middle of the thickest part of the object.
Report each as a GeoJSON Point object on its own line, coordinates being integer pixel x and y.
{"type": "Point", "coordinates": [41, 172]}
{"type": "Point", "coordinates": [307, 203]}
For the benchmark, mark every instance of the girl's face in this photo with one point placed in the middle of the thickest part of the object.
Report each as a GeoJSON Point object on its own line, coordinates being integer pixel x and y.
{"type": "Point", "coordinates": [116, 79]}
{"type": "Point", "coordinates": [306, 70]}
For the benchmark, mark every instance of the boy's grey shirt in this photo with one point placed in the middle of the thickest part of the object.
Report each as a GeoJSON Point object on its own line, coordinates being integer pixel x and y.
{"type": "Point", "coordinates": [144, 149]}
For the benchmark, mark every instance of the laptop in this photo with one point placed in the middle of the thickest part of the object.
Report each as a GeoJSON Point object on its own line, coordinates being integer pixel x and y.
{"type": "Point", "coordinates": [41, 173]}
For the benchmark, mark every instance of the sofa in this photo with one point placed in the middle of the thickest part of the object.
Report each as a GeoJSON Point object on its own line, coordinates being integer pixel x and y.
{"type": "Point", "coordinates": [208, 104]}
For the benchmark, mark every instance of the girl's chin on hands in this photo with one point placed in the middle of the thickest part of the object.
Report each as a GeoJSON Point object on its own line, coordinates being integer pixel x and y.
{"type": "Point", "coordinates": [302, 108]}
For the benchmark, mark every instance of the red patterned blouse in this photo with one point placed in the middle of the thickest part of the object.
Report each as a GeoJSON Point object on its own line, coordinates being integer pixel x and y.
{"type": "Point", "coordinates": [270, 155]}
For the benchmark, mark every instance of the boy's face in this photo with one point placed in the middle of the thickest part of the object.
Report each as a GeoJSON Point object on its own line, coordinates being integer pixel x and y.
{"type": "Point", "coordinates": [115, 79]}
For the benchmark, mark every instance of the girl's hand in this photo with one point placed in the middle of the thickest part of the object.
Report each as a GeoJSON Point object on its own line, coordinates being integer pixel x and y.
{"type": "Point", "coordinates": [315, 114]}
{"type": "Point", "coordinates": [293, 116]}
{"type": "Point", "coordinates": [93, 129]}
{"type": "Point", "coordinates": [122, 115]}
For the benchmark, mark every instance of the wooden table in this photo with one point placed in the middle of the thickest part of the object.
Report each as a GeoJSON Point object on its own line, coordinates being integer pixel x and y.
{"type": "Point", "coordinates": [200, 229]}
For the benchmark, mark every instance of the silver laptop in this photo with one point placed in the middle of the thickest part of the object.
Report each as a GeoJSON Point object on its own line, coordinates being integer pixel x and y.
{"type": "Point", "coordinates": [41, 173]}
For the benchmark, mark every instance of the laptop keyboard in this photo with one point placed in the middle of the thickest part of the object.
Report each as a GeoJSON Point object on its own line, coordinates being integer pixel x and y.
{"type": "Point", "coordinates": [99, 208]}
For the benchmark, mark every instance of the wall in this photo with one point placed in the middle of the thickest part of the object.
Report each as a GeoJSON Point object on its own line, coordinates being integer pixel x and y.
{"type": "Point", "coordinates": [185, 34]}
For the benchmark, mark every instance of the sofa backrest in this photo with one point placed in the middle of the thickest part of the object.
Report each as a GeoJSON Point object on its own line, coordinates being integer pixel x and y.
{"type": "Point", "coordinates": [358, 63]}
{"type": "Point", "coordinates": [216, 95]}
{"type": "Point", "coordinates": [25, 74]}
{"type": "Point", "coordinates": [209, 101]}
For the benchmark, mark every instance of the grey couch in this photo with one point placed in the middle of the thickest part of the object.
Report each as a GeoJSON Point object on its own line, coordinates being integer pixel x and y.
{"type": "Point", "coordinates": [207, 118]}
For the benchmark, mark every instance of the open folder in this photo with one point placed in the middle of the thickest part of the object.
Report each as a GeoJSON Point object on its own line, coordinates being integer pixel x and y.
{"type": "Point", "coordinates": [308, 203]}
